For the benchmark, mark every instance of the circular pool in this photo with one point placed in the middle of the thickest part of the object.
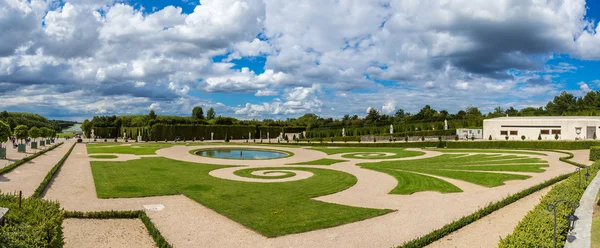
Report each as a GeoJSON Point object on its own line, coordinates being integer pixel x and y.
{"type": "Point", "coordinates": [241, 153]}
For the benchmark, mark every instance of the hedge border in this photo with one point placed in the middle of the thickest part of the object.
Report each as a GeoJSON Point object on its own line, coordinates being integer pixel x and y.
{"type": "Point", "coordinates": [51, 174]}
{"type": "Point", "coordinates": [160, 241]}
{"type": "Point", "coordinates": [20, 162]}
{"type": "Point", "coordinates": [490, 208]}
{"type": "Point", "coordinates": [594, 153]}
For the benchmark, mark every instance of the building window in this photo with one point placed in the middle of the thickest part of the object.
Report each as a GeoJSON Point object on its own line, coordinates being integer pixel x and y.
{"type": "Point", "coordinates": [545, 131]}
{"type": "Point", "coordinates": [513, 132]}
{"type": "Point", "coordinates": [503, 132]}
{"type": "Point", "coordinates": [555, 131]}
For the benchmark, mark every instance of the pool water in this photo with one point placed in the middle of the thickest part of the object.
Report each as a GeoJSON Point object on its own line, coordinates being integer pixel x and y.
{"type": "Point", "coordinates": [240, 153]}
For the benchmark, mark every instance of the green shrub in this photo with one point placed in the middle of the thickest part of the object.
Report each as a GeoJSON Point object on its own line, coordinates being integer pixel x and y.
{"type": "Point", "coordinates": [595, 153]}
{"type": "Point", "coordinates": [537, 227]}
{"type": "Point", "coordinates": [558, 145]}
{"type": "Point", "coordinates": [38, 223]}
{"type": "Point", "coordinates": [490, 138]}
{"type": "Point", "coordinates": [556, 136]}
{"type": "Point", "coordinates": [226, 138]}
{"type": "Point", "coordinates": [523, 137]}
{"type": "Point", "coordinates": [540, 137]}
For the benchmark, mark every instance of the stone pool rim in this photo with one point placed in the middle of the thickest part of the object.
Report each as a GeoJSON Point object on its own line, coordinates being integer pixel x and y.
{"type": "Point", "coordinates": [287, 153]}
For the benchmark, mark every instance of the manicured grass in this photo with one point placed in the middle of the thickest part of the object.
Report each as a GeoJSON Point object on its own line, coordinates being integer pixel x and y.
{"type": "Point", "coordinates": [272, 209]}
{"type": "Point", "coordinates": [323, 161]}
{"type": "Point", "coordinates": [456, 166]}
{"type": "Point", "coordinates": [487, 151]}
{"type": "Point", "coordinates": [398, 152]}
{"type": "Point", "coordinates": [596, 225]}
{"type": "Point", "coordinates": [104, 156]}
{"type": "Point", "coordinates": [248, 173]}
{"type": "Point", "coordinates": [130, 148]}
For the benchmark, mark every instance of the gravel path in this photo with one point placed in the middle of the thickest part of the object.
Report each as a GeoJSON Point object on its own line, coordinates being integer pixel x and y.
{"type": "Point", "coordinates": [487, 231]}
{"type": "Point", "coordinates": [186, 223]}
{"type": "Point", "coordinates": [581, 156]}
{"type": "Point", "coordinates": [113, 233]}
{"type": "Point", "coordinates": [28, 176]}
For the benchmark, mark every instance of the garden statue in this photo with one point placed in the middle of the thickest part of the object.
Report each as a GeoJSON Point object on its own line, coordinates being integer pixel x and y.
{"type": "Point", "coordinates": [445, 124]}
{"type": "Point", "coordinates": [249, 135]}
{"type": "Point", "coordinates": [391, 129]}
{"type": "Point", "coordinates": [212, 136]}
{"type": "Point", "coordinates": [92, 135]}
{"type": "Point", "coordinates": [124, 135]}
{"type": "Point", "coordinates": [139, 138]}
{"type": "Point", "coordinates": [343, 132]}
{"type": "Point", "coordinates": [268, 136]}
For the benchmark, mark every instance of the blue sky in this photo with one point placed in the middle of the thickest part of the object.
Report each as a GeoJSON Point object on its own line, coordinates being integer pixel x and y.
{"type": "Point", "coordinates": [280, 59]}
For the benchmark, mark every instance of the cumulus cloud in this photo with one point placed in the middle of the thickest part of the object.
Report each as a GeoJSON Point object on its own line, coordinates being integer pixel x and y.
{"type": "Point", "coordinates": [342, 56]}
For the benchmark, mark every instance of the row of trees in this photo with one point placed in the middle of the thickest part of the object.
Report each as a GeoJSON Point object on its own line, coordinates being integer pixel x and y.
{"type": "Point", "coordinates": [21, 132]}
{"type": "Point", "coordinates": [13, 119]}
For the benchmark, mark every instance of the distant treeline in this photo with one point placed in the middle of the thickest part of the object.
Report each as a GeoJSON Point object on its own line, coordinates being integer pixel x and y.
{"type": "Point", "coordinates": [30, 120]}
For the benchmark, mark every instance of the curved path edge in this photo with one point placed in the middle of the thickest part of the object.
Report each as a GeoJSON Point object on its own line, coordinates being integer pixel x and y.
{"type": "Point", "coordinates": [583, 229]}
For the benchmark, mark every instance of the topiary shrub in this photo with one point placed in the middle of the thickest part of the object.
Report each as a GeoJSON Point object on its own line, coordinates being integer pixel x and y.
{"type": "Point", "coordinates": [226, 138]}
{"type": "Point", "coordinates": [594, 137]}
{"type": "Point", "coordinates": [79, 140]}
{"type": "Point", "coordinates": [595, 153]}
{"type": "Point", "coordinates": [490, 138]}
{"type": "Point", "coordinates": [522, 137]}
{"type": "Point", "coordinates": [422, 138]}
{"type": "Point", "coordinates": [556, 136]}
{"type": "Point", "coordinates": [406, 139]}
{"type": "Point", "coordinates": [456, 137]}
{"type": "Point", "coordinates": [506, 137]}
{"type": "Point", "coordinates": [540, 137]}
{"type": "Point", "coordinates": [472, 137]}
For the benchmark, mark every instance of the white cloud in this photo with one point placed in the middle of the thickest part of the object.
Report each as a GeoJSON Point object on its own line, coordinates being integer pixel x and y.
{"type": "Point", "coordinates": [389, 107]}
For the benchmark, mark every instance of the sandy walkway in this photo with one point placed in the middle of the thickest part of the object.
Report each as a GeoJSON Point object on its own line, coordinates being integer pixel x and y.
{"type": "Point", "coordinates": [486, 232]}
{"type": "Point", "coordinates": [28, 176]}
{"type": "Point", "coordinates": [581, 156]}
{"type": "Point", "coordinates": [114, 233]}
{"type": "Point", "coordinates": [186, 223]}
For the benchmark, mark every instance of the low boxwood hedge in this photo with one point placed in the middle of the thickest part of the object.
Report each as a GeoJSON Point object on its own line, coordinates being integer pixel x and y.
{"type": "Point", "coordinates": [160, 241]}
{"type": "Point", "coordinates": [595, 153]}
{"type": "Point", "coordinates": [375, 144]}
{"type": "Point", "coordinates": [14, 165]}
{"type": "Point", "coordinates": [514, 144]}
{"type": "Point", "coordinates": [38, 223]}
{"type": "Point", "coordinates": [537, 228]}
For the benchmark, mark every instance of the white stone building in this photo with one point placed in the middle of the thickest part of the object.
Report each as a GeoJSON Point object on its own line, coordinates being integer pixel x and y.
{"type": "Point", "coordinates": [566, 127]}
{"type": "Point", "coordinates": [468, 133]}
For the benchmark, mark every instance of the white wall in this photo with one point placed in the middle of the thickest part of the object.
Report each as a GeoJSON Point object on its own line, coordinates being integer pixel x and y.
{"type": "Point", "coordinates": [531, 128]}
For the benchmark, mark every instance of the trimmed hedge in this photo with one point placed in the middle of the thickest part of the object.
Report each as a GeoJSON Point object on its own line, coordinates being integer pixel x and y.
{"type": "Point", "coordinates": [595, 153]}
{"type": "Point", "coordinates": [160, 241]}
{"type": "Point", "coordinates": [374, 144]}
{"type": "Point", "coordinates": [537, 228]}
{"type": "Point", "coordinates": [14, 165]}
{"type": "Point", "coordinates": [558, 145]}
{"type": "Point", "coordinates": [466, 220]}
{"type": "Point", "coordinates": [42, 188]}
{"type": "Point", "coordinates": [38, 223]}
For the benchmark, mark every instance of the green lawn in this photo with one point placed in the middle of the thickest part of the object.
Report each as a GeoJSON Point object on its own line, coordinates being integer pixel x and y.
{"type": "Point", "coordinates": [248, 173]}
{"type": "Point", "coordinates": [596, 225]}
{"type": "Point", "coordinates": [131, 148]}
{"type": "Point", "coordinates": [272, 209]}
{"type": "Point", "coordinates": [470, 168]}
{"type": "Point", "coordinates": [103, 156]}
{"type": "Point", "coordinates": [323, 161]}
{"type": "Point", "coordinates": [398, 152]}
{"type": "Point", "coordinates": [487, 151]}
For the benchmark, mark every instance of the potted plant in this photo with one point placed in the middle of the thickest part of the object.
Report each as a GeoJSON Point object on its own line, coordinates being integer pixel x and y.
{"type": "Point", "coordinates": [21, 134]}
{"type": "Point", "coordinates": [4, 134]}
{"type": "Point", "coordinates": [44, 133]}
{"type": "Point", "coordinates": [34, 133]}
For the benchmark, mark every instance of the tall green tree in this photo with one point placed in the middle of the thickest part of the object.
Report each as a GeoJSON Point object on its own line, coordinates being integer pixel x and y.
{"type": "Point", "coordinates": [210, 114]}
{"type": "Point", "coordinates": [197, 113]}
{"type": "Point", "coordinates": [4, 132]}
{"type": "Point", "coordinates": [34, 133]}
{"type": "Point", "coordinates": [21, 132]}
{"type": "Point", "coordinates": [152, 115]}
{"type": "Point", "coordinates": [86, 127]}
